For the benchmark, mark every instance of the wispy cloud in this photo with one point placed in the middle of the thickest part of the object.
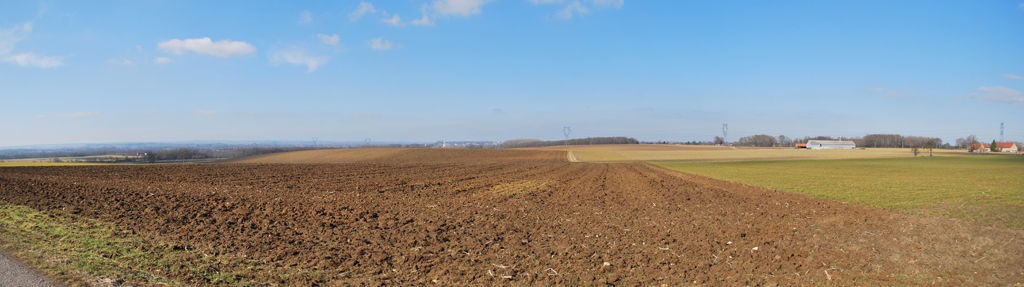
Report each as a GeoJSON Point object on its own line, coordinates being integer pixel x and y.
{"type": "Point", "coordinates": [573, 8]}
{"type": "Point", "coordinates": [222, 48]}
{"type": "Point", "coordinates": [125, 62]}
{"type": "Point", "coordinates": [611, 3]}
{"type": "Point", "coordinates": [459, 7]}
{"type": "Point", "coordinates": [425, 21]}
{"type": "Point", "coordinates": [577, 8]}
{"type": "Point", "coordinates": [297, 57]}
{"type": "Point", "coordinates": [539, 2]}
{"type": "Point", "coordinates": [394, 20]}
{"type": "Point", "coordinates": [329, 40]}
{"type": "Point", "coordinates": [205, 112]}
{"type": "Point", "coordinates": [999, 94]}
{"type": "Point", "coordinates": [1021, 6]}
{"type": "Point", "coordinates": [10, 37]}
{"type": "Point", "coordinates": [380, 44]}
{"type": "Point", "coordinates": [1013, 77]}
{"type": "Point", "coordinates": [895, 94]}
{"type": "Point", "coordinates": [363, 9]}
{"type": "Point", "coordinates": [71, 115]}
{"type": "Point", "coordinates": [305, 17]}
{"type": "Point", "coordinates": [162, 60]}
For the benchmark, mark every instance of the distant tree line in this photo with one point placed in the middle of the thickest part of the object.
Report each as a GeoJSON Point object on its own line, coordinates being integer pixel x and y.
{"type": "Point", "coordinates": [520, 143]}
{"type": "Point", "coordinates": [896, 140]}
{"type": "Point", "coordinates": [871, 140]}
{"type": "Point", "coordinates": [175, 154]}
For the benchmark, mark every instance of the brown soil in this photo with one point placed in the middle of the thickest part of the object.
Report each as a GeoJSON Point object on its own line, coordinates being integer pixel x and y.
{"type": "Point", "coordinates": [520, 217]}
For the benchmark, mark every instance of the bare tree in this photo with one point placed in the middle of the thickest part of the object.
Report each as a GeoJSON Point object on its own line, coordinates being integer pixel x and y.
{"type": "Point", "coordinates": [719, 140]}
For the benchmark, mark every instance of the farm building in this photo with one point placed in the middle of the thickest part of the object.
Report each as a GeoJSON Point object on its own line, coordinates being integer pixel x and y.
{"type": "Point", "coordinates": [819, 144]}
{"type": "Point", "coordinates": [803, 145]}
{"type": "Point", "coordinates": [979, 147]}
{"type": "Point", "coordinates": [1003, 147]}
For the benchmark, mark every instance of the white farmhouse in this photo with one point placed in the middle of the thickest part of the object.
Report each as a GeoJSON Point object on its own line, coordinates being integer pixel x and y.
{"type": "Point", "coordinates": [819, 144]}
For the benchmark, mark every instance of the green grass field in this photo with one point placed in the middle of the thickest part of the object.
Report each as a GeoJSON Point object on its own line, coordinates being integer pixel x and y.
{"type": "Point", "coordinates": [633, 153]}
{"type": "Point", "coordinates": [987, 189]}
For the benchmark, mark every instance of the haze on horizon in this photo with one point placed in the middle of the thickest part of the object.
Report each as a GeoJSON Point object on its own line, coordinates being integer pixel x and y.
{"type": "Point", "coordinates": [421, 71]}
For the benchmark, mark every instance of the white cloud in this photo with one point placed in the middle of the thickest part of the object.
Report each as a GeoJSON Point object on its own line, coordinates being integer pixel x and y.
{"type": "Point", "coordinates": [613, 3]}
{"type": "Point", "coordinates": [10, 37]}
{"type": "Point", "coordinates": [895, 94]}
{"type": "Point", "coordinates": [329, 40]}
{"type": "Point", "coordinates": [162, 60]}
{"type": "Point", "coordinates": [363, 9]}
{"type": "Point", "coordinates": [205, 112]}
{"type": "Point", "coordinates": [121, 62]}
{"type": "Point", "coordinates": [299, 58]}
{"type": "Point", "coordinates": [380, 44]}
{"type": "Point", "coordinates": [425, 21]}
{"type": "Point", "coordinates": [573, 8]}
{"type": "Point", "coordinates": [459, 7]}
{"type": "Point", "coordinates": [1000, 94]}
{"type": "Point", "coordinates": [222, 48]}
{"type": "Point", "coordinates": [71, 115]}
{"type": "Point", "coordinates": [1013, 77]}
{"type": "Point", "coordinates": [395, 20]}
{"type": "Point", "coordinates": [33, 60]}
{"type": "Point", "coordinates": [305, 17]}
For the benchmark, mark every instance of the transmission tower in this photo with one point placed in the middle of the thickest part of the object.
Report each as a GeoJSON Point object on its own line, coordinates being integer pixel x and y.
{"type": "Point", "coordinates": [725, 133]}
{"type": "Point", "coordinates": [314, 141]}
{"type": "Point", "coordinates": [367, 141]}
{"type": "Point", "coordinates": [1000, 132]}
{"type": "Point", "coordinates": [566, 131]}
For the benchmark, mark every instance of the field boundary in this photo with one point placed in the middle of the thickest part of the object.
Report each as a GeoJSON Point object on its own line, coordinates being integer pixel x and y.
{"type": "Point", "coordinates": [571, 157]}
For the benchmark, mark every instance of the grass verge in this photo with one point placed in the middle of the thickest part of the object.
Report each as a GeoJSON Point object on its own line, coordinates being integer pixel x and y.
{"type": "Point", "coordinates": [986, 189]}
{"type": "Point", "coordinates": [79, 251]}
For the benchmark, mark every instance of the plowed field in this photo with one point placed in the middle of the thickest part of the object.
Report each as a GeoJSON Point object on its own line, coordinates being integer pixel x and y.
{"type": "Point", "coordinates": [519, 217]}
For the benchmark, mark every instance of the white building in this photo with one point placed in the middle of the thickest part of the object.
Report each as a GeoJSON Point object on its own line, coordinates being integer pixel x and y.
{"type": "Point", "coordinates": [818, 144]}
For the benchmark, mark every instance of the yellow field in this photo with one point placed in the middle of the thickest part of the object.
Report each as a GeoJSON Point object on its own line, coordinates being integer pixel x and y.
{"type": "Point", "coordinates": [320, 156]}
{"type": "Point", "coordinates": [621, 153]}
{"type": "Point", "coordinates": [64, 159]}
{"type": "Point", "coordinates": [9, 164]}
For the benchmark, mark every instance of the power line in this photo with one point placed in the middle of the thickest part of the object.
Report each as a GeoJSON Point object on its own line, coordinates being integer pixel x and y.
{"type": "Point", "coordinates": [725, 132]}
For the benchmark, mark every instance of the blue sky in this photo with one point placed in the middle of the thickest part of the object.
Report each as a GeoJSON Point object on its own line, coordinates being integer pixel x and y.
{"type": "Point", "coordinates": [143, 71]}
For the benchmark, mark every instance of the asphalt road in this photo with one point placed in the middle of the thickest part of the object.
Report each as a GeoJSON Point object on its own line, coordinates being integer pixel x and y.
{"type": "Point", "coordinates": [13, 273]}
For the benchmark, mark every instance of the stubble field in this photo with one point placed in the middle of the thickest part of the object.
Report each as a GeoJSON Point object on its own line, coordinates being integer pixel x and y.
{"type": "Point", "coordinates": [494, 217]}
